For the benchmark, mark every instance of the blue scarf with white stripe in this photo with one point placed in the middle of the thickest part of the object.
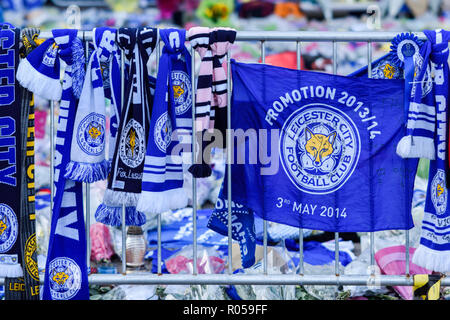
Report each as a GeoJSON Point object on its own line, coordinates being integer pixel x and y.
{"type": "Point", "coordinates": [87, 156]}
{"type": "Point", "coordinates": [170, 128]}
{"type": "Point", "coordinates": [433, 252]}
{"type": "Point", "coordinates": [66, 273]}
{"type": "Point", "coordinates": [419, 101]}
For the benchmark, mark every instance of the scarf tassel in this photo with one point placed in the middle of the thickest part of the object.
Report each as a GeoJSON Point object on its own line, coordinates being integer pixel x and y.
{"type": "Point", "coordinates": [117, 198]}
{"type": "Point", "coordinates": [37, 82]}
{"type": "Point", "coordinates": [427, 258]}
{"type": "Point", "coordinates": [416, 147]}
{"type": "Point", "coordinates": [112, 216]}
{"type": "Point", "coordinates": [87, 172]}
{"type": "Point", "coordinates": [11, 270]}
{"type": "Point", "coordinates": [161, 201]}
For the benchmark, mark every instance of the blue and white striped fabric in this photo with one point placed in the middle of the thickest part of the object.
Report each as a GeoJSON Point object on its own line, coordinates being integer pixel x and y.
{"type": "Point", "coordinates": [433, 253]}
{"type": "Point", "coordinates": [66, 271]}
{"type": "Point", "coordinates": [170, 129]}
{"type": "Point", "coordinates": [87, 156]}
{"type": "Point", "coordinates": [109, 58]}
{"type": "Point", "coordinates": [39, 71]}
{"type": "Point", "coordinates": [418, 141]}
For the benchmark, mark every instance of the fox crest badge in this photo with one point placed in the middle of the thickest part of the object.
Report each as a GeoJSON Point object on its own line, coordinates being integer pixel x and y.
{"type": "Point", "coordinates": [132, 144]}
{"type": "Point", "coordinates": [9, 228]}
{"type": "Point", "coordinates": [65, 278]}
{"type": "Point", "coordinates": [91, 134]}
{"type": "Point", "coordinates": [181, 87]}
{"type": "Point", "coordinates": [439, 192]}
{"type": "Point", "coordinates": [319, 148]}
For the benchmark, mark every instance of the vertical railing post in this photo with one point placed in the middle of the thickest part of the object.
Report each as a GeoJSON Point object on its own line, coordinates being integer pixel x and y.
{"type": "Point", "coordinates": [372, 234]}
{"type": "Point", "coordinates": [87, 189]}
{"type": "Point", "coordinates": [336, 234]}
{"type": "Point", "coordinates": [52, 154]}
{"type": "Point", "coordinates": [124, 235]}
{"type": "Point", "coordinates": [158, 217]}
{"type": "Point", "coordinates": [300, 235]}
{"type": "Point", "coordinates": [229, 145]}
{"type": "Point", "coordinates": [263, 60]}
{"type": "Point", "coordinates": [194, 180]}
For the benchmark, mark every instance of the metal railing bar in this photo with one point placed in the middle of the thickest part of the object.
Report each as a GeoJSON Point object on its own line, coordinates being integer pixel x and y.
{"type": "Point", "coordinates": [336, 234]}
{"type": "Point", "coordinates": [300, 235]}
{"type": "Point", "coordinates": [194, 180]}
{"type": "Point", "coordinates": [372, 234]}
{"type": "Point", "coordinates": [87, 191]}
{"type": "Point", "coordinates": [52, 154]}
{"type": "Point", "coordinates": [255, 279]}
{"type": "Point", "coordinates": [124, 236]}
{"type": "Point", "coordinates": [305, 36]}
{"type": "Point", "coordinates": [407, 253]}
{"type": "Point", "coordinates": [229, 198]}
{"type": "Point", "coordinates": [158, 217]}
{"type": "Point", "coordinates": [263, 60]}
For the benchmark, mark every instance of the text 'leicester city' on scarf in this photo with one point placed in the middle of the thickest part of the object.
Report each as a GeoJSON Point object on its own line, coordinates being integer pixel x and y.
{"type": "Point", "coordinates": [10, 154]}
{"type": "Point", "coordinates": [327, 159]}
{"type": "Point", "coordinates": [171, 125]}
{"type": "Point", "coordinates": [125, 178]}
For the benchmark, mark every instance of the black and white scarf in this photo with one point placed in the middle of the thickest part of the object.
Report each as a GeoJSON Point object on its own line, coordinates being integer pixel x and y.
{"type": "Point", "coordinates": [125, 178]}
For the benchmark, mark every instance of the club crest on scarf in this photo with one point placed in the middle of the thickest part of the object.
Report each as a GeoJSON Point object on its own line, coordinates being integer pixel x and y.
{"type": "Point", "coordinates": [163, 132]}
{"type": "Point", "coordinates": [65, 278]}
{"type": "Point", "coordinates": [439, 192]}
{"type": "Point", "coordinates": [386, 70]}
{"type": "Point", "coordinates": [132, 144]}
{"type": "Point", "coordinates": [8, 228]}
{"type": "Point", "coordinates": [319, 148]}
{"type": "Point", "coordinates": [182, 96]}
{"type": "Point", "coordinates": [91, 133]}
{"type": "Point", "coordinates": [30, 249]}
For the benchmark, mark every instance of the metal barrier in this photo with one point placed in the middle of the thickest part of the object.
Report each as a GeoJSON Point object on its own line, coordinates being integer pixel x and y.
{"type": "Point", "coordinates": [264, 278]}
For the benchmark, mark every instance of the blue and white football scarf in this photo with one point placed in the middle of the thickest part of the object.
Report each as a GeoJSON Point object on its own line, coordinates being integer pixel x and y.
{"type": "Point", "coordinates": [125, 178]}
{"type": "Point", "coordinates": [10, 154]}
{"type": "Point", "coordinates": [433, 253]}
{"type": "Point", "coordinates": [242, 227]}
{"type": "Point", "coordinates": [171, 125]}
{"type": "Point", "coordinates": [413, 56]}
{"type": "Point", "coordinates": [326, 138]}
{"type": "Point", "coordinates": [66, 271]}
{"type": "Point", "coordinates": [87, 156]}
{"type": "Point", "coordinates": [39, 71]}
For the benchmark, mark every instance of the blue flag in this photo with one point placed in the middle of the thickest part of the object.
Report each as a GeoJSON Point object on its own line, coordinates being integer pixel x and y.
{"type": "Point", "coordinates": [318, 151]}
